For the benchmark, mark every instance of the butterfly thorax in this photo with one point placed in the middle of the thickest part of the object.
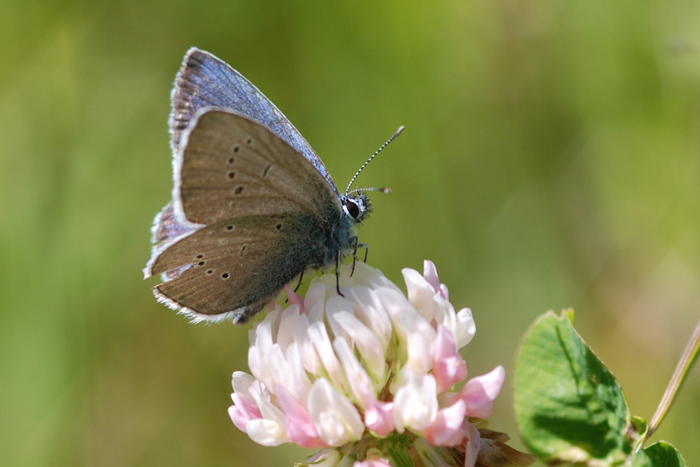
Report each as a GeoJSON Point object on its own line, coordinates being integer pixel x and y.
{"type": "Point", "coordinates": [343, 240]}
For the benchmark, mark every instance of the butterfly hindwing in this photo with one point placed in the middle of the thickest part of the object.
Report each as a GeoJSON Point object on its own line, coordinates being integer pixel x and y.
{"type": "Point", "coordinates": [233, 268]}
{"type": "Point", "coordinates": [165, 229]}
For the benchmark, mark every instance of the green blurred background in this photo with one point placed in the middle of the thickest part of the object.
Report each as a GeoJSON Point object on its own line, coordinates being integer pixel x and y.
{"type": "Point", "coordinates": [551, 159]}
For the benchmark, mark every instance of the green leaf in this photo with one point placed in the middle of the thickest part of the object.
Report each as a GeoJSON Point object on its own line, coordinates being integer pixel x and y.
{"type": "Point", "coordinates": [569, 407]}
{"type": "Point", "coordinates": [638, 433]}
{"type": "Point", "coordinates": [661, 454]}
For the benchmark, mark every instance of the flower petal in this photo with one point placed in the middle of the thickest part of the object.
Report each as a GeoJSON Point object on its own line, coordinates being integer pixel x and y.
{"type": "Point", "coordinates": [444, 292]}
{"type": "Point", "coordinates": [420, 293]}
{"type": "Point", "coordinates": [258, 353]}
{"type": "Point", "coordinates": [465, 327]}
{"type": "Point", "coordinates": [415, 402]}
{"type": "Point", "coordinates": [448, 366]}
{"type": "Point", "coordinates": [473, 444]}
{"type": "Point", "coordinates": [322, 343]}
{"type": "Point", "coordinates": [360, 383]}
{"type": "Point", "coordinates": [307, 352]}
{"type": "Point", "coordinates": [366, 343]}
{"type": "Point", "coordinates": [334, 416]}
{"type": "Point", "coordinates": [315, 295]}
{"type": "Point", "coordinates": [416, 335]}
{"type": "Point", "coordinates": [297, 381]}
{"type": "Point", "coordinates": [323, 458]}
{"type": "Point", "coordinates": [244, 408]}
{"type": "Point", "coordinates": [238, 417]}
{"type": "Point", "coordinates": [379, 418]}
{"type": "Point", "coordinates": [446, 430]}
{"type": "Point", "coordinates": [431, 275]}
{"type": "Point", "coordinates": [267, 432]}
{"type": "Point", "coordinates": [285, 330]}
{"type": "Point", "coordinates": [300, 427]}
{"type": "Point", "coordinates": [292, 297]}
{"type": "Point", "coordinates": [370, 311]}
{"type": "Point", "coordinates": [480, 393]}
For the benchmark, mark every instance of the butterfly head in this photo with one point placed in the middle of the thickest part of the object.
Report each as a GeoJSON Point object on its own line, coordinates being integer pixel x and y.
{"type": "Point", "coordinates": [356, 206]}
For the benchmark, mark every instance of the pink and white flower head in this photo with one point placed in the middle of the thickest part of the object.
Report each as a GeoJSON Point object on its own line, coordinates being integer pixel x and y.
{"type": "Point", "coordinates": [368, 372]}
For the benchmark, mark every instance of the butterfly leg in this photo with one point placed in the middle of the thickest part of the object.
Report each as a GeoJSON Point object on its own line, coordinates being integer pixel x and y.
{"type": "Point", "coordinates": [301, 276]}
{"type": "Point", "coordinates": [354, 253]}
{"type": "Point", "coordinates": [337, 273]}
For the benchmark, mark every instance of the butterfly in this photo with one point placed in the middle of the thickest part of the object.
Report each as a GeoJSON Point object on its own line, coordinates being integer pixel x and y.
{"type": "Point", "coordinates": [253, 205]}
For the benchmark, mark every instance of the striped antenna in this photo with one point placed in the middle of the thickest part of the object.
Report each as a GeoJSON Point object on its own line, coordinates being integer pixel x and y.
{"type": "Point", "coordinates": [383, 189]}
{"type": "Point", "coordinates": [347, 191]}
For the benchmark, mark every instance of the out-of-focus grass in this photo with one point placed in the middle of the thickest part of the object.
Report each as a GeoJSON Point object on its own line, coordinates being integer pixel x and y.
{"type": "Point", "coordinates": [551, 159]}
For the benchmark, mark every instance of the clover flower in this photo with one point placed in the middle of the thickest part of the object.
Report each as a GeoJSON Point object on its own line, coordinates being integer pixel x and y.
{"type": "Point", "coordinates": [369, 377]}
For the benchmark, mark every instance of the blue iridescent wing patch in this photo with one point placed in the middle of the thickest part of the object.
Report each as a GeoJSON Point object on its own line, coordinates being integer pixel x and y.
{"type": "Point", "coordinates": [206, 81]}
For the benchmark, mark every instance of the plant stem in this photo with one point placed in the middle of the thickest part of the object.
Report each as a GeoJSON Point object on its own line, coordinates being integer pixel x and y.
{"type": "Point", "coordinates": [690, 355]}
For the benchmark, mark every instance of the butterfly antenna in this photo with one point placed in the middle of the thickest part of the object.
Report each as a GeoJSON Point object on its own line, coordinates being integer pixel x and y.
{"type": "Point", "coordinates": [347, 191]}
{"type": "Point", "coordinates": [383, 189]}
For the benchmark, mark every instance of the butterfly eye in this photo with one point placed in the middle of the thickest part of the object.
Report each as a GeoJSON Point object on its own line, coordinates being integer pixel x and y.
{"type": "Point", "coordinates": [352, 208]}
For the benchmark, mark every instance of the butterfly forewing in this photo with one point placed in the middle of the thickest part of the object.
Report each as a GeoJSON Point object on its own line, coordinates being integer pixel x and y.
{"type": "Point", "coordinates": [230, 166]}
{"type": "Point", "coordinates": [166, 226]}
{"type": "Point", "coordinates": [206, 81]}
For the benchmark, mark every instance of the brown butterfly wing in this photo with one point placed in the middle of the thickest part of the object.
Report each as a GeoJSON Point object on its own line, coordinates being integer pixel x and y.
{"type": "Point", "coordinates": [260, 215]}
{"type": "Point", "coordinates": [206, 81]}
{"type": "Point", "coordinates": [166, 228]}
{"type": "Point", "coordinates": [237, 266]}
{"type": "Point", "coordinates": [233, 167]}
